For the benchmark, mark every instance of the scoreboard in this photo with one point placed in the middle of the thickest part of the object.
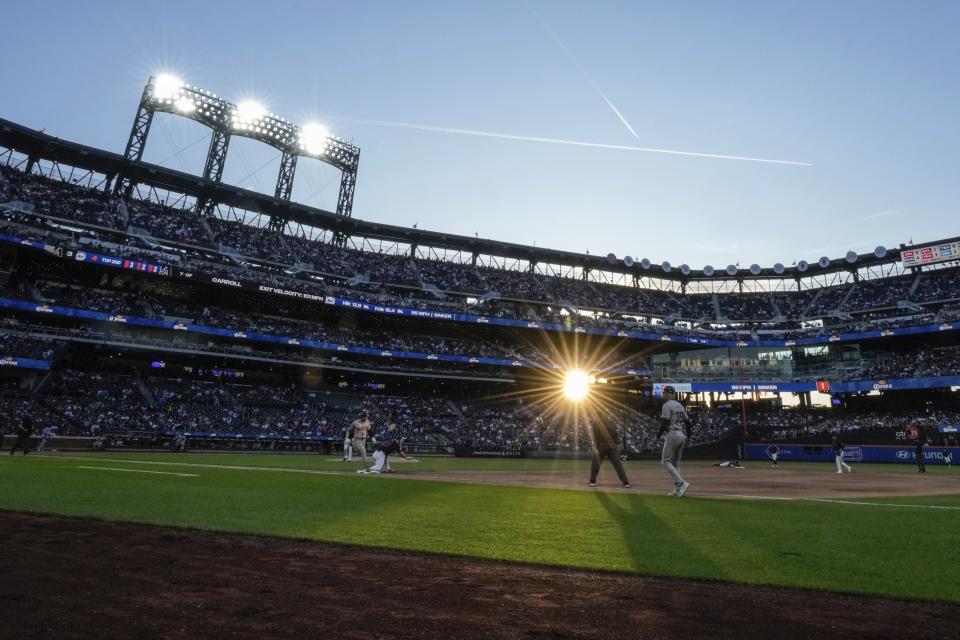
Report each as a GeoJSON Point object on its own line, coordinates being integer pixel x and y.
{"type": "Point", "coordinates": [919, 256]}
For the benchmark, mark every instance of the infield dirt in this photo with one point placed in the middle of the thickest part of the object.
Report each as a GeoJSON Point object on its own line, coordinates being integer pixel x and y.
{"type": "Point", "coordinates": [755, 480]}
{"type": "Point", "coordinates": [72, 578]}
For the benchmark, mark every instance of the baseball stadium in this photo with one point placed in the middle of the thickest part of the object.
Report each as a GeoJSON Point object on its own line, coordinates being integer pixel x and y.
{"type": "Point", "coordinates": [233, 408]}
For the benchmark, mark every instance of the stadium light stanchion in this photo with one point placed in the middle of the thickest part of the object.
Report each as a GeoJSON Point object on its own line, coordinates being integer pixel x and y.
{"type": "Point", "coordinates": [133, 152]}
{"type": "Point", "coordinates": [168, 94]}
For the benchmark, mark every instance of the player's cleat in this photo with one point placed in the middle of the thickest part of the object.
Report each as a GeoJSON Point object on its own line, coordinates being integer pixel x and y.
{"type": "Point", "coordinates": [626, 486]}
{"type": "Point", "coordinates": [682, 489]}
{"type": "Point", "coordinates": [591, 484]}
{"type": "Point", "coordinates": [839, 471]}
{"type": "Point", "coordinates": [361, 470]}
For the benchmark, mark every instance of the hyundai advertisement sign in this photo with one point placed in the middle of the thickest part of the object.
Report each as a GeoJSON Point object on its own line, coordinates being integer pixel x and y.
{"type": "Point", "coordinates": [856, 453]}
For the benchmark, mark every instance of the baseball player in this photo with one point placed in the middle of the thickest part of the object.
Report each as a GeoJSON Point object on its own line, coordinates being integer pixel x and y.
{"type": "Point", "coordinates": [356, 439]}
{"type": "Point", "coordinates": [392, 443]}
{"type": "Point", "coordinates": [348, 444]}
{"type": "Point", "coordinates": [947, 457]}
{"type": "Point", "coordinates": [179, 442]}
{"type": "Point", "coordinates": [838, 455]}
{"type": "Point", "coordinates": [45, 436]}
{"type": "Point", "coordinates": [673, 422]}
{"type": "Point", "coordinates": [605, 446]}
{"type": "Point", "coordinates": [774, 452]}
{"type": "Point", "coordinates": [24, 431]}
{"type": "Point", "coordinates": [918, 452]}
{"type": "Point", "coordinates": [393, 431]}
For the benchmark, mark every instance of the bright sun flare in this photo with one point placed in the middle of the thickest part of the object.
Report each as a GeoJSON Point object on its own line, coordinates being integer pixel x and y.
{"type": "Point", "coordinates": [576, 385]}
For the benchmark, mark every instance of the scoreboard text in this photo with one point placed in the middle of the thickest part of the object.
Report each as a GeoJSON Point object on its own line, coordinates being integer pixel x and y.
{"type": "Point", "coordinates": [917, 257]}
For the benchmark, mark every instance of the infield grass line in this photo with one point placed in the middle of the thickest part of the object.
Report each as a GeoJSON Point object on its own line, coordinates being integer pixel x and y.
{"type": "Point", "coordinates": [881, 504]}
{"type": "Point", "coordinates": [232, 467]}
{"type": "Point", "coordinates": [163, 473]}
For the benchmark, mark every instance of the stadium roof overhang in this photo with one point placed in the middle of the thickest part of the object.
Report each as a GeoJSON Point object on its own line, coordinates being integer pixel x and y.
{"type": "Point", "coordinates": [43, 146]}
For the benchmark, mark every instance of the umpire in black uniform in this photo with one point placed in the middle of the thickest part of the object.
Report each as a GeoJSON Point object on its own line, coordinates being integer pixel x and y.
{"type": "Point", "coordinates": [605, 446]}
{"type": "Point", "coordinates": [24, 431]}
{"type": "Point", "coordinates": [918, 452]}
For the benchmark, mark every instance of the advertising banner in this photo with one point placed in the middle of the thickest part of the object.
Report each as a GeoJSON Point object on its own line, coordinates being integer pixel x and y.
{"type": "Point", "coordinates": [855, 453]}
{"type": "Point", "coordinates": [892, 384]}
{"type": "Point", "coordinates": [24, 305]}
{"type": "Point", "coordinates": [736, 387]}
{"type": "Point", "coordinates": [23, 363]}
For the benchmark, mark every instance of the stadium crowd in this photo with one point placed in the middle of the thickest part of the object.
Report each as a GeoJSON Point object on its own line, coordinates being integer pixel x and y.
{"type": "Point", "coordinates": [917, 363]}
{"type": "Point", "coordinates": [143, 304]}
{"type": "Point", "coordinates": [419, 277]}
{"type": "Point", "coordinates": [14, 344]}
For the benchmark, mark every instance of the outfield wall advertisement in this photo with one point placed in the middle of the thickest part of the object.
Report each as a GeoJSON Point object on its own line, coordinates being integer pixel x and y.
{"type": "Point", "coordinates": [859, 453]}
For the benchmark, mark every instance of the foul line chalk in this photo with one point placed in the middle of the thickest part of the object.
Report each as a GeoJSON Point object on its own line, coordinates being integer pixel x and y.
{"type": "Point", "coordinates": [164, 473]}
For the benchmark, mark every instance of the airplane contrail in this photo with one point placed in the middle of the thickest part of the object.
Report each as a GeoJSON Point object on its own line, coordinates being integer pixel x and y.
{"type": "Point", "coordinates": [583, 71]}
{"type": "Point", "coordinates": [576, 143]}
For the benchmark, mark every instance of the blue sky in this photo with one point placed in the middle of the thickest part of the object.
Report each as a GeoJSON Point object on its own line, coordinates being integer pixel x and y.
{"type": "Point", "coordinates": [865, 91]}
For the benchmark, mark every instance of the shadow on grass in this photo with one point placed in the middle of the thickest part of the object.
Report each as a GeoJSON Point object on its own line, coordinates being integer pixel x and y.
{"type": "Point", "coordinates": [654, 545]}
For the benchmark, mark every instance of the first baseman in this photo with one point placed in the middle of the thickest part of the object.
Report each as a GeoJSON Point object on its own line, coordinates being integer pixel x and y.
{"type": "Point", "coordinates": [391, 444]}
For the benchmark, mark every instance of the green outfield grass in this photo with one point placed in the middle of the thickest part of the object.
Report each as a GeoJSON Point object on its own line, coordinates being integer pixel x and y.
{"type": "Point", "coordinates": [878, 550]}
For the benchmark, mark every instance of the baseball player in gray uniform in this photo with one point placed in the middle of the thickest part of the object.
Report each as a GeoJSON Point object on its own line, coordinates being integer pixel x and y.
{"type": "Point", "coordinates": [673, 421]}
{"type": "Point", "coordinates": [356, 439]}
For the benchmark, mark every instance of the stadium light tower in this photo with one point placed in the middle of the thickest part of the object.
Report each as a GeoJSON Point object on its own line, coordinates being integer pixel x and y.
{"type": "Point", "coordinates": [169, 94]}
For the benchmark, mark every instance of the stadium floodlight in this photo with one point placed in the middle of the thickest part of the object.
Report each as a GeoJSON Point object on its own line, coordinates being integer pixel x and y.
{"type": "Point", "coordinates": [852, 256]}
{"type": "Point", "coordinates": [183, 104]}
{"type": "Point", "coordinates": [166, 87]}
{"type": "Point", "coordinates": [168, 94]}
{"type": "Point", "coordinates": [313, 138]}
{"type": "Point", "coordinates": [248, 114]}
{"type": "Point", "coordinates": [666, 266]}
{"type": "Point", "coordinates": [576, 385]}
